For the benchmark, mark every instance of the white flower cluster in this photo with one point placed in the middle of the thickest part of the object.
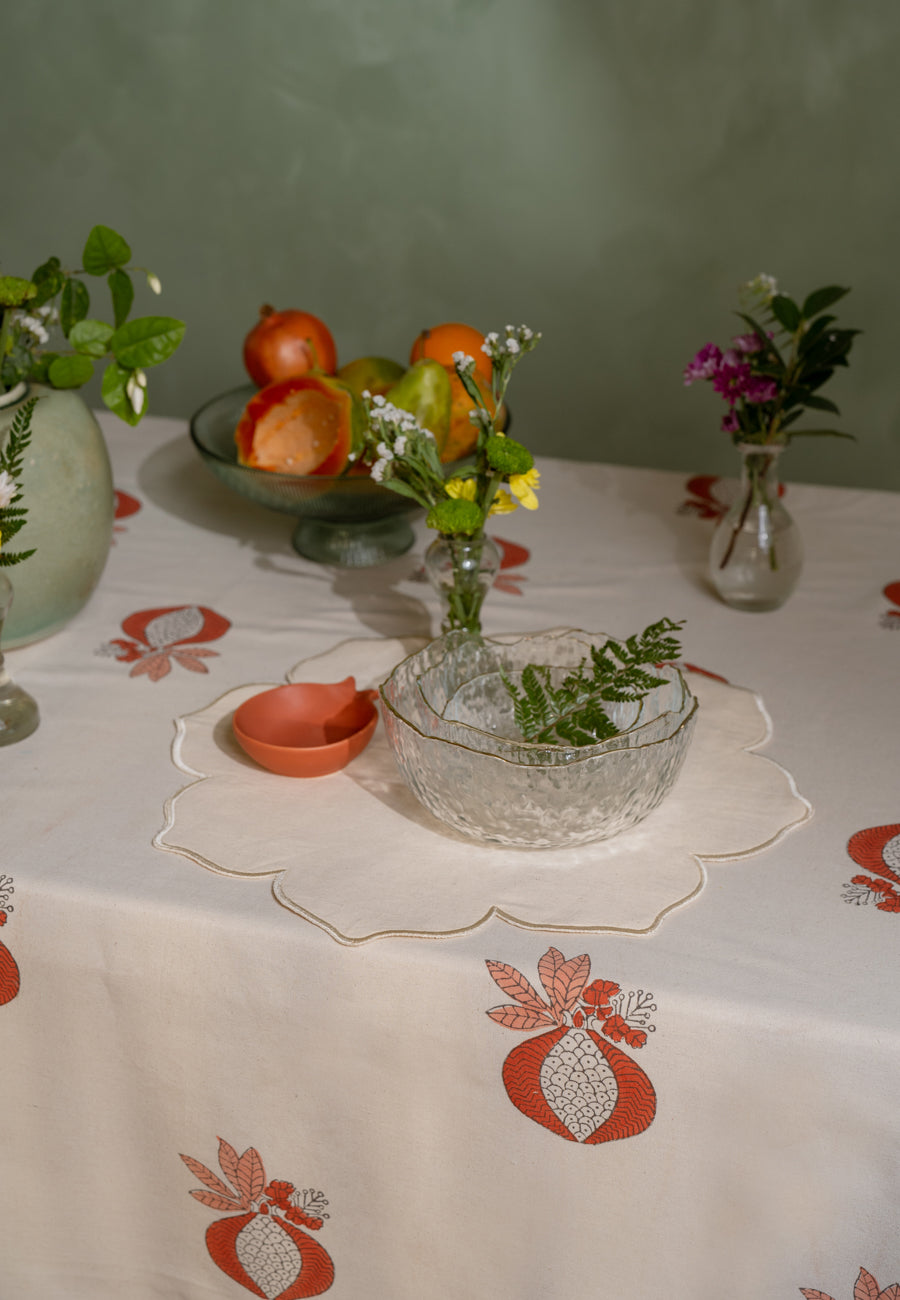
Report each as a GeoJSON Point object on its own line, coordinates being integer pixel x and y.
{"type": "Point", "coordinates": [519, 338]}
{"type": "Point", "coordinates": [8, 489]}
{"type": "Point", "coordinates": [765, 286]}
{"type": "Point", "coordinates": [395, 427]}
{"type": "Point", "coordinates": [36, 323]}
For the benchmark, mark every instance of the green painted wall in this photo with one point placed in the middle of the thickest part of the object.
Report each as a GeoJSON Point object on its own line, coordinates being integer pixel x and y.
{"type": "Point", "coordinates": [605, 170]}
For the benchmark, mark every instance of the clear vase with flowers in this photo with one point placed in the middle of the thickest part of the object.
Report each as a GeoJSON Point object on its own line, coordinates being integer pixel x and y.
{"type": "Point", "coordinates": [500, 476]}
{"type": "Point", "coordinates": [770, 376]}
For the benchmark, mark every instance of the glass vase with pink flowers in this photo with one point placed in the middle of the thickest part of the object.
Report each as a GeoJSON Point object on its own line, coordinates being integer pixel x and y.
{"type": "Point", "coordinates": [770, 376]}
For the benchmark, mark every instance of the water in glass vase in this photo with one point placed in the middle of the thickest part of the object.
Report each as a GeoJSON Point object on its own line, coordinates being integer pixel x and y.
{"type": "Point", "coordinates": [756, 554]}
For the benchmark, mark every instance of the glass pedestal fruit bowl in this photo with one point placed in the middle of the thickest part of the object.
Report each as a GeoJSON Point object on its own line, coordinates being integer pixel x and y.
{"type": "Point", "coordinates": [449, 722]}
{"type": "Point", "coordinates": [350, 521]}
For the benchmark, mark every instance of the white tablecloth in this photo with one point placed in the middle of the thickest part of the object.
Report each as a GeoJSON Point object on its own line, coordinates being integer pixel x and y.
{"type": "Point", "coordinates": [750, 1041]}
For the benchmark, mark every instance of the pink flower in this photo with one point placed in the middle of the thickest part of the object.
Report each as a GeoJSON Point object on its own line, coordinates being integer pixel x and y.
{"type": "Point", "coordinates": [747, 343]}
{"type": "Point", "coordinates": [731, 381]}
{"type": "Point", "coordinates": [704, 365]}
{"type": "Point", "coordinates": [730, 422]}
{"type": "Point", "coordinates": [761, 389]}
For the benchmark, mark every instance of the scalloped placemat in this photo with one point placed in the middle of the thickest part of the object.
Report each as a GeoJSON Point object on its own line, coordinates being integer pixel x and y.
{"type": "Point", "coordinates": [358, 855]}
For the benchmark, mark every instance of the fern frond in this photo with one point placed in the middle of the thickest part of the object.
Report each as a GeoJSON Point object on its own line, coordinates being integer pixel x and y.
{"type": "Point", "coordinates": [572, 713]}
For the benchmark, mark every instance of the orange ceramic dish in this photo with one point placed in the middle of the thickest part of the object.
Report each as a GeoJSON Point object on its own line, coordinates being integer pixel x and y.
{"type": "Point", "coordinates": [307, 729]}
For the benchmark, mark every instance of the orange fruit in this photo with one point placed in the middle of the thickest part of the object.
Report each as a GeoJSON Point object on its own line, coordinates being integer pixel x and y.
{"type": "Point", "coordinates": [440, 342]}
{"type": "Point", "coordinates": [463, 433]}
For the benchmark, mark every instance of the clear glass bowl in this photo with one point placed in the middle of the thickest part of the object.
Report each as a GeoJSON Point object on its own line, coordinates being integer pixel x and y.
{"type": "Point", "coordinates": [467, 702]}
{"type": "Point", "coordinates": [350, 521]}
{"type": "Point", "coordinates": [526, 796]}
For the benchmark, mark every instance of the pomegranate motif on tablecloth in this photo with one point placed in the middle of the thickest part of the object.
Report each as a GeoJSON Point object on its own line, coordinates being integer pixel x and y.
{"type": "Point", "coordinates": [125, 506]}
{"type": "Point", "coordinates": [511, 556]}
{"type": "Point", "coordinates": [572, 1078]}
{"type": "Point", "coordinates": [9, 971]}
{"type": "Point", "coordinates": [161, 636]}
{"type": "Point", "coordinates": [891, 617]}
{"type": "Point", "coordinates": [710, 497]}
{"type": "Point", "coordinates": [262, 1245]}
{"type": "Point", "coordinates": [866, 1288]}
{"type": "Point", "coordinates": [878, 850]}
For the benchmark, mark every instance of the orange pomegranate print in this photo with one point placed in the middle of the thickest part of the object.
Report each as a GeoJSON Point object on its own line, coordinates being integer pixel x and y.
{"type": "Point", "coordinates": [572, 1079]}
{"type": "Point", "coordinates": [866, 1288]}
{"type": "Point", "coordinates": [262, 1245]}
{"type": "Point", "coordinates": [9, 970]}
{"type": "Point", "coordinates": [877, 849]}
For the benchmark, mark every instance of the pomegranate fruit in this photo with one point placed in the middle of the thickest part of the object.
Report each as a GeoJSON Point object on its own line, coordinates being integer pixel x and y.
{"type": "Point", "coordinates": [284, 344]}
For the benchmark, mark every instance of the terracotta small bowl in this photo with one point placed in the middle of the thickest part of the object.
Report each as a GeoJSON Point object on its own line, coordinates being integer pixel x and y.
{"type": "Point", "coordinates": [306, 729]}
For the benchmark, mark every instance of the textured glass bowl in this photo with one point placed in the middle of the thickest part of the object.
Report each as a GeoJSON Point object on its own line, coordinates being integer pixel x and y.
{"type": "Point", "coordinates": [533, 796]}
{"type": "Point", "coordinates": [466, 701]}
{"type": "Point", "coordinates": [350, 521]}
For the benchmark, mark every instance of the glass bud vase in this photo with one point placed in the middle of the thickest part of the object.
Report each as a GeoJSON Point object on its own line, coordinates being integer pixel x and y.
{"type": "Point", "coordinates": [18, 711]}
{"type": "Point", "coordinates": [462, 571]}
{"type": "Point", "coordinates": [756, 553]}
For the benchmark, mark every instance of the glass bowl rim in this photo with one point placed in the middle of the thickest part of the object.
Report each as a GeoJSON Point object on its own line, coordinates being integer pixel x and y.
{"type": "Point", "coordinates": [534, 745]}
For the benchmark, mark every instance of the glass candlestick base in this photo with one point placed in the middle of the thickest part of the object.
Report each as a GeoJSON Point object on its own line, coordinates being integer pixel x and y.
{"type": "Point", "coordinates": [19, 715]}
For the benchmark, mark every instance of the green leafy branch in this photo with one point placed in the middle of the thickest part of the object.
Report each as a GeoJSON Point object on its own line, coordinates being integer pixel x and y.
{"type": "Point", "coordinates": [129, 346]}
{"type": "Point", "coordinates": [12, 517]}
{"type": "Point", "coordinates": [573, 713]}
{"type": "Point", "coordinates": [800, 349]}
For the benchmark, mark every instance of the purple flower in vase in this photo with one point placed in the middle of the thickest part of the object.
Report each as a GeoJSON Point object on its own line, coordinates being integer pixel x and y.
{"type": "Point", "coordinates": [704, 365]}
{"type": "Point", "coordinates": [730, 422]}
{"type": "Point", "coordinates": [760, 389]}
{"type": "Point", "coordinates": [731, 380]}
{"type": "Point", "coordinates": [747, 343]}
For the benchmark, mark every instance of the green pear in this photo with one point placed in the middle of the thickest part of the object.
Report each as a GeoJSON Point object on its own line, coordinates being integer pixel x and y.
{"type": "Point", "coordinates": [370, 374]}
{"type": "Point", "coordinates": [425, 392]}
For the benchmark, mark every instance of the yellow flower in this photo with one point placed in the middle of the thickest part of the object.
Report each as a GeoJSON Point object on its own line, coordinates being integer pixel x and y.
{"type": "Point", "coordinates": [524, 486]}
{"type": "Point", "coordinates": [460, 489]}
{"type": "Point", "coordinates": [503, 504]}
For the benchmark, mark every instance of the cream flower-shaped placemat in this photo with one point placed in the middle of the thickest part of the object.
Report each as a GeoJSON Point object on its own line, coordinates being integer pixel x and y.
{"type": "Point", "coordinates": [358, 855]}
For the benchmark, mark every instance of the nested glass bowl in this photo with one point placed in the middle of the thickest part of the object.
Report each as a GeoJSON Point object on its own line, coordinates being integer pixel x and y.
{"type": "Point", "coordinates": [349, 520]}
{"type": "Point", "coordinates": [483, 782]}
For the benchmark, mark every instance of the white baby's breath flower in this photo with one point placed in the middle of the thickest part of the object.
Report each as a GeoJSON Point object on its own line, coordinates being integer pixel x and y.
{"type": "Point", "coordinates": [366, 394]}
{"type": "Point", "coordinates": [463, 362]}
{"type": "Point", "coordinates": [8, 489]}
{"type": "Point", "coordinates": [400, 444]}
{"type": "Point", "coordinates": [153, 281]}
{"type": "Point", "coordinates": [377, 470]}
{"type": "Point", "coordinates": [384, 451]}
{"type": "Point", "coordinates": [34, 325]}
{"type": "Point", "coordinates": [512, 346]}
{"type": "Point", "coordinates": [378, 400]}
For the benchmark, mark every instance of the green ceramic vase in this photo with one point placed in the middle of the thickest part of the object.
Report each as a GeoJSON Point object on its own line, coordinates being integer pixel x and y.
{"type": "Point", "coordinates": [67, 489]}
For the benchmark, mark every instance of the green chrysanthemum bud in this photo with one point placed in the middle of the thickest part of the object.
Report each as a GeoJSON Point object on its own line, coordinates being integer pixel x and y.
{"type": "Point", "coordinates": [457, 516]}
{"type": "Point", "coordinates": [507, 456]}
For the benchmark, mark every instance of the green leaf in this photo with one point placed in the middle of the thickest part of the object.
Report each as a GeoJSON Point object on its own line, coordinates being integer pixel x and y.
{"type": "Point", "coordinates": [113, 392]}
{"type": "Point", "coordinates": [39, 370]}
{"type": "Point", "coordinates": [91, 337]}
{"type": "Point", "coordinates": [820, 404]}
{"type": "Point", "coordinates": [822, 433]}
{"type": "Point", "coordinates": [122, 291]}
{"type": "Point", "coordinates": [104, 251]}
{"type": "Point", "coordinates": [70, 372]}
{"type": "Point", "coordinates": [74, 304]}
{"type": "Point", "coordinates": [49, 279]}
{"type": "Point", "coordinates": [15, 292]}
{"type": "Point", "coordinates": [146, 341]}
{"type": "Point", "coordinates": [819, 299]}
{"type": "Point", "coordinates": [786, 311]}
